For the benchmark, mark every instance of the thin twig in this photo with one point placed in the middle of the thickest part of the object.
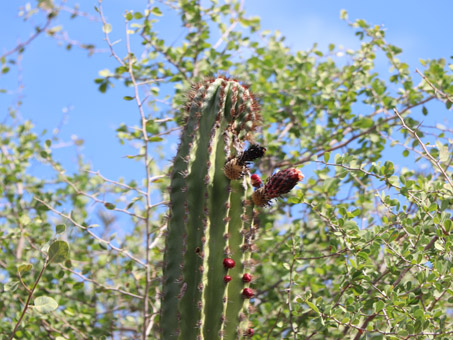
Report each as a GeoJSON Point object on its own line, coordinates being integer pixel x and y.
{"type": "Point", "coordinates": [83, 277]}
{"type": "Point", "coordinates": [106, 35]}
{"type": "Point", "coordinates": [109, 243]}
{"type": "Point", "coordinates": [438, 92]}
{"type": "Point", "coordinates": [433, 160]}
{"type": "Point", "coordinates": [21, 46]}
{"type": "Point", "coordinates": [229, 29]}
{"type": "Point", "coordinates": [27, 303]}
{"type": "Point", "coordinates": [148, 184]}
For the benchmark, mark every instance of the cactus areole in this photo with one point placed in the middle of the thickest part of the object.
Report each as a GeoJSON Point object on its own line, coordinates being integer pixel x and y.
{"type": "Point", "coordinates": [206, 204]}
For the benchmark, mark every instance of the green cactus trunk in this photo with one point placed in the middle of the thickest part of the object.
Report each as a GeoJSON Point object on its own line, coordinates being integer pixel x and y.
{"type": "Point", "coordinates": [210, 217]}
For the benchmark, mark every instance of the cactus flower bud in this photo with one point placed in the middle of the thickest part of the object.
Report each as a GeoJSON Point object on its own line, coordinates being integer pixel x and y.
{"type": "Point", "coordinates": [246, 277]}
{"type": "Point", "coordinates": [256, 181]}
{"type": "Point", "coordinates": [247, 293]}
{"type": "Point", "coordinates": [227, 278]}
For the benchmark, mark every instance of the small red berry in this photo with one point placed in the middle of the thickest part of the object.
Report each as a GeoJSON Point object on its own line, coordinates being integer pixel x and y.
{"type": "Point", "coordinates": [247, 293]}
{"type": "Point", "coordinates": [229, 263]}
{"type": "Point", "coordinates": [256, 180]}
{"type": "Point", "coordinates": [227, 278]}
{"type": "Point", "coordinates": [246, 277]}
{"type": "Point", "coordinates": [249, 332]}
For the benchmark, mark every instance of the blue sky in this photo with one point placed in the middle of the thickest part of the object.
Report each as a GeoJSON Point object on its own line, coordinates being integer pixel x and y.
{"type": "Point", "coordinates": [59, 88]}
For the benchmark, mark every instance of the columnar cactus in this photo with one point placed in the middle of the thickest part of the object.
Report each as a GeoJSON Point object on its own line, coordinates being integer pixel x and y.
{"type": "Point", "coordinates": [206, 279]}
{"type": "Point", "coordinates": [210, 216]}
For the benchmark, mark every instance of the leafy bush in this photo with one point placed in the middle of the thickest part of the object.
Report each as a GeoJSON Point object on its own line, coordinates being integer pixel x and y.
{"type": "Point", "coordinates": [360, 249]}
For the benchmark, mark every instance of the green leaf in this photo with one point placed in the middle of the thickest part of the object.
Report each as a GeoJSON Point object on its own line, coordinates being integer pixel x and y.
{"type": "Point", "coordinates": [10, 286]}
{"type": "Point", "coordinates": [447, 225]}
{"type": "Point", "coordinates": [107, 28]}
{"type": "Point", "coordinates": [24, 267]}
{"type": "Point", "coordinates": [60, 228]}
{"type": "Point", "coordinates": [128, 98]}
{"type": "Point", "coordinates": [105, 73]}
{"type": "Point", "coordinates": [343, 14]}
{"type": "Point", "coordinates": [58, 251]}
{"type": "Point", "coordinates": [439, 246]}
{"type": "Point", "coordinates": [45, 304]}
{"type": "Point", "coordinates": [109, 206]}
{"type": "Point", "coordinates": [78, 285]}
{"type": "Point", "coordinates": [156, 11]}
{"type": "Point", "coordinates": [326, 157]}
{"type": "Point", "coordinates": [24, 219]}
{"type": "Point", "coordinates": [313, 306]}
{"type": "Point", "coordinates": [379, 306]}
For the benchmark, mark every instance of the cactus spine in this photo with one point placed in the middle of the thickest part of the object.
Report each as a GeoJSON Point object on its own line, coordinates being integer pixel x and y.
{"type": "Point", "coordinates": [210, 216]}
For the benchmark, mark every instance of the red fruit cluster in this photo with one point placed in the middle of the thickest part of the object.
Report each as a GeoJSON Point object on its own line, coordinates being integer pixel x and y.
{"type": "Point", "coordinates": [228, 263]}
{"type": "Point", "coordinates": [249, 332]}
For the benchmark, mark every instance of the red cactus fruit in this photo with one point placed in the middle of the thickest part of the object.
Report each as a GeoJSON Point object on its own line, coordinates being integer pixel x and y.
{"type": "Point", "coordinates": [256, 180]}
{"type": "Point", "coordinates": [247, 293]}
{"type": "Point", "coordinates": [278, 184]}
{"type": "Point", "coordinates": [228, 263]}
{"type": "Point", "coordinates": [282, 182]}
{"type": "Point", "coordinates": [249, 332]}
{"type": "Point", "coordinates": [246, 277]}
{"type": "Point", "coordinates": [227, 278]}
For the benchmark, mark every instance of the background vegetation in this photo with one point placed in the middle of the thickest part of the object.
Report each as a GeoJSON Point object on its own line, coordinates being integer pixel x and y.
{"type": "Point", "coordinates": [360, 250]}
